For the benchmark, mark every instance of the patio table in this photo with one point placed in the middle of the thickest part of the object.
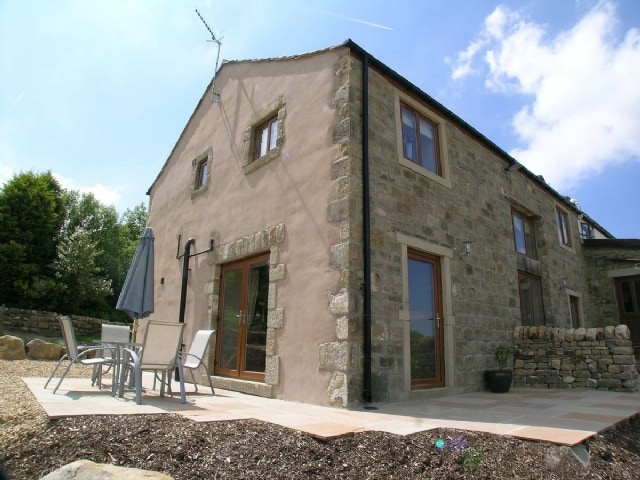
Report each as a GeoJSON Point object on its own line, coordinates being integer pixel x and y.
{"type": "Point", "coordinates": [119, 364]}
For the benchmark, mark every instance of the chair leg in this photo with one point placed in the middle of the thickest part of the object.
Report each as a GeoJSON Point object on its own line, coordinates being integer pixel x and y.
{"type": "Point", "coordinates": [209, 378]}
{"type": "Point", "coordinates": [183, 395]}
{"type": "Point", "coordinates": [66, 370]}
{"type": "Point", "coordinates": [138, 375]}
{"type": "Point", "coordinates": [55, 369]}
{"type": "Point", "coordinates": [193, 378]}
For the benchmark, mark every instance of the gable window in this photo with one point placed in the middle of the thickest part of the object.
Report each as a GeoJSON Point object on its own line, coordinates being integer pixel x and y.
{"type": "Point", "coordinates": [420, 139]}
{"type": "Point", "coordinates": [563, 228]}
{"type": "Point", "coordinates": [523, 234]}
{"type": "Point", "coordinates": [202, 173]}
{"type": "Point", "coordinates": [266, 137]}
{"type": "Point", "coordinates": [531, 307]}
{"type": "Point", "coordinates": [585, 231]}
{"type": "Point", "coordinates": [263, 137]}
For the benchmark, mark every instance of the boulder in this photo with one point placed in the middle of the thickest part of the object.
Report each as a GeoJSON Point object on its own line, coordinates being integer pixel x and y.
{"type": "Point", "coordinates": [12, 348]}
{"type": "Point", "coordinates": [38, 349]}
{"type": "Point", "coordinates": [88, 470]}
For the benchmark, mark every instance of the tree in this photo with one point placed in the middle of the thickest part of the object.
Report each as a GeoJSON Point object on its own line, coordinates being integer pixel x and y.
{"type": "Point", "coordinates": [32, 210]}
{"type": "Point", "coordinates": [80, 287]}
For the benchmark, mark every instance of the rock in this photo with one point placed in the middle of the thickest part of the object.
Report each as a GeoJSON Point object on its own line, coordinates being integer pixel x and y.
{"type": "Point", "coordinates": [12, 348]}
{"type": "Point", "coordinates": [38, 349]}
{"type": "Point", "coordinates": [88, 470]}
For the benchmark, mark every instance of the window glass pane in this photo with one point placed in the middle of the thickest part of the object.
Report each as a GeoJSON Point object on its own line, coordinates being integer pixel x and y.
{"type": "Point", "coordinates": [273, 135]}
{"type": "Point", "coordinates": [409, 134]}
{"type": "Point", "coordinates": [264, 141]}
{"type": "Point", "coordinates": [428, 146]}
{"type": "Point", "coordinates": [529, 238]}
{"type": "Point", "coordinates": [563, 228]}
{"type": "Point", "coordinates": [203, 173]}
{"type": "Point", "coordinates": [518, 234]}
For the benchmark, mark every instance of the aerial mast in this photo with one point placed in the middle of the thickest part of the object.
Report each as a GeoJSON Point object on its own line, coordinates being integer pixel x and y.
{"type": "Point", "coordinates": [215, 97]}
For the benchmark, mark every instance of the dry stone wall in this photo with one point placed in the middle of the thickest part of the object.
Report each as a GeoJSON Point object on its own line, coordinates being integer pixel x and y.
{"type": "Point", "coordinates": [45, 324]}
{"type": "Point", "coordinates": [596, 358]}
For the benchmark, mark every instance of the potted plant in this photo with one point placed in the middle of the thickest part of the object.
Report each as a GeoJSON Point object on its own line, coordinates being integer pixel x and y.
{"type": "Point", "coordinates": [499, 380]}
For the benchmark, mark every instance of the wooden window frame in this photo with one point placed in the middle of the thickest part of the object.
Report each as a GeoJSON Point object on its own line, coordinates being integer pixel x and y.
{"type": "Point", "coordinates": [436, 140]}
{"type": "Point", "coordinates": [530, 247]}
{"type": "Point", "coordinates": [272, 143]}
{"type": "Point", "coordinates": [564, 228]}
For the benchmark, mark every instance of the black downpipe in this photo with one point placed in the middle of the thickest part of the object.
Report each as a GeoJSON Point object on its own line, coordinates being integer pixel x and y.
{"type": "Point", "coordinates": [366, 233]}
{"type": "Point", "coordinates": [183, 290]}
{"type": "Point", "coordinates": [185, 277]}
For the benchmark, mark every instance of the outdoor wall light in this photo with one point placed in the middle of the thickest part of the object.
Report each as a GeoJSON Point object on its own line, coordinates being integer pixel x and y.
{"type": "Point", "coordinates": [466, 249]}
{"type": "Point", "coordinates": [564, 284]}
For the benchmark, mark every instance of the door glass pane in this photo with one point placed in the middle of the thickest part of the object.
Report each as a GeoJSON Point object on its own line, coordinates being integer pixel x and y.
{"type": "Point", "coordinates": [230, 319]}
{"type": "Point", "coordinates": [256, 332]}
{"type": "Point", "coordinates": [422, 320]}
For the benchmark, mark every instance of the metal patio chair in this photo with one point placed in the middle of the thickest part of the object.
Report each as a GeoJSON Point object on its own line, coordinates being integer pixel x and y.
{"type": "Point", "coordinates": [195, 357]}
{"type": "Point", "coordinates": [112, 337]}
{"type": "Point", "coordinates": [160, 354]}
{"type": "Point", "coordinates": [76, 354]}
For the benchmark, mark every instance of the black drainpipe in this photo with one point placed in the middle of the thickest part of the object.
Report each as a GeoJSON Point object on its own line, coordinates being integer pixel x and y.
{"type": "Point", "coordinates": [185, 277]}
{"type": "Point", "coordinates": [366, 230]}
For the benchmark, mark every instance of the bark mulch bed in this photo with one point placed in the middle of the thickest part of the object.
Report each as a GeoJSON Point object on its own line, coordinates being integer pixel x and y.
{"type": "Point", "coordinates": [250, 449]}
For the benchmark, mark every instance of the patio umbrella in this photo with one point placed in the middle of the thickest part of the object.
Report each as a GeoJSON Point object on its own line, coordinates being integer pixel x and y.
{"type": "Point", "coordinates": [136, 297]}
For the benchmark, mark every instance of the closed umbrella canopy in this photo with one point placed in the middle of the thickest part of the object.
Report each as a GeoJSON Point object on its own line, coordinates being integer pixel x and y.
{"type": "Point", "coordinates": [136, 297]}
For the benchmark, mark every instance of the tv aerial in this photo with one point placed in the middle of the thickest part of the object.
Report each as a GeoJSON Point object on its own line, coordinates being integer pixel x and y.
{"type": "Point", "coordinates": [215, 97]}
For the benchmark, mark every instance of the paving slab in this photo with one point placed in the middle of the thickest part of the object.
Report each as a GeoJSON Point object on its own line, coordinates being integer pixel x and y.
{"type": "Point", "coordinates": [566, 417]}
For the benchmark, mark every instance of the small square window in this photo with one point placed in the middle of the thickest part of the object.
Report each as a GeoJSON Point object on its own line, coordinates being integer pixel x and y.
{"type": "Point", "coordinates": [585, 230]}
{"type": "Point", "coordinates": [266, 137]}
{"type": "Point", "coordinates": [563, 228]}
{"type": "Point", "coordinates": [420, 140]}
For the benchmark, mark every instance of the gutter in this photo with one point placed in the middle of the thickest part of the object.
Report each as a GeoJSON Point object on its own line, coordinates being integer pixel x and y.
{"type": "Point", "coordinates": [366, 231]}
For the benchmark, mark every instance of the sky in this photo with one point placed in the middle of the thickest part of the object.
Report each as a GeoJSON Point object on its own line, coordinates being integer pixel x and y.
{"type": "Point", "coordinates": [98, 92]}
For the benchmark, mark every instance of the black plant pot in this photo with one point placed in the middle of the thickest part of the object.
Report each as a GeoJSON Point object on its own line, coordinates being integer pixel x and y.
{"type": "Point", "coordinates": [498, 381]}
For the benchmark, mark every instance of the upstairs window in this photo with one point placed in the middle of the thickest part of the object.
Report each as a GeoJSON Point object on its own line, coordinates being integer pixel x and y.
{"type": "Point", "coordinates": [263, 137]}
{"type": "Point", "coordinates": [266, 137]}
{"type": "Point", "coordinates": [523, 234]}
{"type": "Point", "coordinates": [563, 228]}
{"type": "Point", "coordinates": [585, 231]}
{"type": "Point", "coordinates": [420, 140]}
{"type": "Point", "coordinates": [202, 173]}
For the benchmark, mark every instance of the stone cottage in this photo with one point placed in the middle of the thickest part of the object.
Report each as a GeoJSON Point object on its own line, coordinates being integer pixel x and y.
{"type": "Point", "coordinates": [352, 240]}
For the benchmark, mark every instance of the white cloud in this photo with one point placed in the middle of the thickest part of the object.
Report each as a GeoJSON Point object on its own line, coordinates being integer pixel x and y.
{"type": "Point", "coordinates": [105, 194]}
{"type": "Point", "coordinates": [581, 108]}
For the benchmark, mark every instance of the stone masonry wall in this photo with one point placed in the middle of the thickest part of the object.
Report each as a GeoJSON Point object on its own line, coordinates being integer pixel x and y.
{"type": "Point", "coordinates": [45, 324]}
{"type": "Point", "coordinates": [597, 358]}
{"type": "Point", "coordinates": [343, 358]}
{"type": "Point", "coordinates": [600, 262]}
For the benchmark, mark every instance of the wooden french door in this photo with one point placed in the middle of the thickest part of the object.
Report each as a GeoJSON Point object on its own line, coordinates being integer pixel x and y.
{"type": "Point", "coordinates": [628, 299]}
{"type": "Point", "coordinates": [242, 319]}
{"type": "Point", "coordinates": [426, 325]}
